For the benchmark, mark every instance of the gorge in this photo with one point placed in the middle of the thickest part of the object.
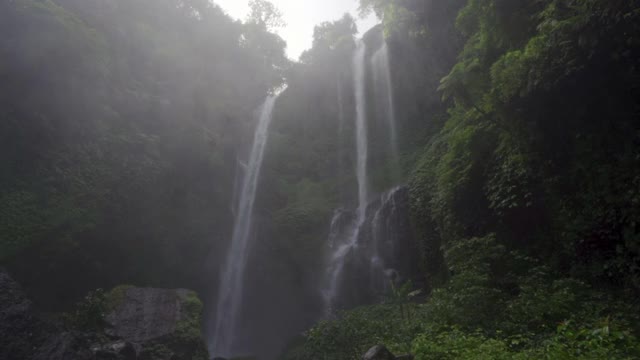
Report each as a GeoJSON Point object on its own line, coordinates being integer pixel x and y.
{"type": "Point", "coordinates": [458, 182]}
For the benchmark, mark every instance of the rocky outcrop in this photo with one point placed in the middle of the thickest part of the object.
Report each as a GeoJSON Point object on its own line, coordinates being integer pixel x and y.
{"type": "Point", "coordinates": [141, 324]}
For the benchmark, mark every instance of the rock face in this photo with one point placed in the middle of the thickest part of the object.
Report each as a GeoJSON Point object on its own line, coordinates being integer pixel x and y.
{"type": "Point", "coordinates": [142, 324]}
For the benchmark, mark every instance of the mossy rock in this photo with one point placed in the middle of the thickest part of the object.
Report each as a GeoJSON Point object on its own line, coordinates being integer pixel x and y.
{"type": "Point", "coordinates": [165, 323]}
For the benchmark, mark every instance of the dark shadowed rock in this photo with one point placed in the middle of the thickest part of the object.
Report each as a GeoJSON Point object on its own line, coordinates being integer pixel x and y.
{"type": "Point", "coordinates": [20, 331]}
{"type": "Point", "coordinates": [378, 352]}
{"type": "Point", "coordinates": [65, 346]}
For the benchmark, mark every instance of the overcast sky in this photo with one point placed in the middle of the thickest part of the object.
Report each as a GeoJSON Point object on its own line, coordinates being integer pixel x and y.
{"type": "Point", "coordinates": [301, 16]}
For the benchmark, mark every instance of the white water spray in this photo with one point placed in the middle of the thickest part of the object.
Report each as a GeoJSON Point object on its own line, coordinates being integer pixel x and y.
{"type": "Point", "coordinates": [228, 310]}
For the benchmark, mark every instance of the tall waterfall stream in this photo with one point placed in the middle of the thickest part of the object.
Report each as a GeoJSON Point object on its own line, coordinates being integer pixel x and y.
{"type": "Point", "coordinates": [229, 307]}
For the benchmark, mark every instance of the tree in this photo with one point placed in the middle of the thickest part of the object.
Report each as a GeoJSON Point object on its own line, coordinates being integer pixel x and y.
{"type": "Point", "coordinates": [265, 14]}
{"type": "Point", "coordinates": [330, 34]}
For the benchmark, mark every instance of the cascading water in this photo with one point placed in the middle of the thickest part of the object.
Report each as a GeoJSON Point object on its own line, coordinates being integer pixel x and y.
{"type": "Point", "coordinates": [370, 247]}
{"type": "Point", "coordinates": [384, 95]}
{"type": "Point", "coordinates": [228, 310]}
{"type": "Point", "coordinates": [359, 78]}
{"type": "Point", "coordinates": [385, 230]}
{"type": "Point", "coordinates": [341, 249]}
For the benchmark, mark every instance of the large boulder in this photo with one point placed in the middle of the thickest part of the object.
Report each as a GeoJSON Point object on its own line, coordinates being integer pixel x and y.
{"type": "Point", "coordinates": [160, 323]}
{"type": "Point", "coordinates": [141, 324]}
{"type": "Point", "coordinates": [140, 314]}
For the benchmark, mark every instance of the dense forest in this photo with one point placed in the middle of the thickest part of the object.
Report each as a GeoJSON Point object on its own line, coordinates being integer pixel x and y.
{"type": "Point", "coordinates": [462, 181]}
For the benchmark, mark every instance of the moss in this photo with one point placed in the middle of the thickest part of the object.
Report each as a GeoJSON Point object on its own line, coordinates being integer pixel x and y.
{"type": "Point", "coordinates": [115, 297]}
{"type": "Point", "coordinates": [187, 342]}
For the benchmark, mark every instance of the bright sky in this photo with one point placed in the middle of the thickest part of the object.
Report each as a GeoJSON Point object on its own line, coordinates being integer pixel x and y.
{"type": "Point", "coordinates": [301, 17]}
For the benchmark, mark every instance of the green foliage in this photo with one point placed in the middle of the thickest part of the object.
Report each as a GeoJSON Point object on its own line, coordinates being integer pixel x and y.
{"type": "Point", "coordinates": [18, 222]}
{"type": "Point", "coordinates": [355, 331]}
{"type": "Point", "coordinates": [479, 315]}
{"type": "Point", "coordinates": [569, 343]}
{"type": "Point", "coordinates": [265, 14]}
{"type": "Point", "coordinates": [116, 125]}
{"type": "Point", "coordinates": [114, 298]}
{"type": "Point", "coordinates": [456, 345]}
{"type": "Point", "coordinates": [89, 313]}
{"type": "Point", "coordinates": [187, 342]}
{"type": "Point", "coordinates": [502, 162]}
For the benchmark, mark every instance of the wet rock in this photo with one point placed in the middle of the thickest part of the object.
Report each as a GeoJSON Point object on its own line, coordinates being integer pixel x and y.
{"type": "Point", "coordinates": [378, 352]}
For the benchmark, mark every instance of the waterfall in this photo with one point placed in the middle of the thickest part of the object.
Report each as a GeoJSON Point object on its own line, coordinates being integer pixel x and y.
{"type": "Point", "coordinates": [341, 249]}
{"type": "Point", "coordinates": [359, 73]}
{"type": "Point", "coordinates": [341, 131]}
{"type": "Point", "coordinates": [228, 310]}
{"type": "Point", "coordinates": [384, 95]}
{"type": "Point", "coordinates": [385, 228]}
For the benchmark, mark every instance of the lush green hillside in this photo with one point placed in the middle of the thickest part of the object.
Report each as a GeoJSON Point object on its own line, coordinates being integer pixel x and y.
{"type": "Point", "coordinates": [120, 123]}
{"type": "Point", "coordinates": [524, 185]}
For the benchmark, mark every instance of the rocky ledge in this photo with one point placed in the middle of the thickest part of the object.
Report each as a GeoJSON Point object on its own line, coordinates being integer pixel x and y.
{"type": "Point", "coordinates": [126, 323]}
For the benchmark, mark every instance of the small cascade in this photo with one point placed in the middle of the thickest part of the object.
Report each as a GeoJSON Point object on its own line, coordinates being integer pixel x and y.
{"type": "Point", "coordinates": [383, 88]}
{"type": "Point", "coordinates": [230, 293]}
{"type": "Point", "coordinates": [389, 227]}
{"type": "Point", "coordinates": [382, 253]}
